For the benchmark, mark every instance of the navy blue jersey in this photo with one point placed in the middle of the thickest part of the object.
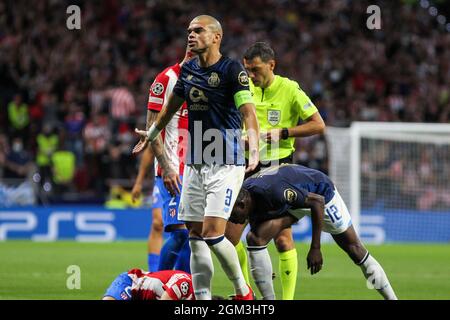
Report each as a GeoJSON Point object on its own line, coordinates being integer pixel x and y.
{"type": "Point", "coordinates": [215, 121]}
{"type": "Point", "coordinates": [278, 189]}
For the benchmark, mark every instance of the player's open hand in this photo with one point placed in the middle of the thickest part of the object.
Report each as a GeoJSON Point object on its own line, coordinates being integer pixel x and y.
{"type": "Point", "coordinates": [143, 142]}
{"type": "Point", "coordinates": [314, 260]}
{"type": "Point", "coordinates": [172, 182]}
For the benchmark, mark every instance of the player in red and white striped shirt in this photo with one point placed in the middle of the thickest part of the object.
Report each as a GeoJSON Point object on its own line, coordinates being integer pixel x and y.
{"type": "Point", "coordinates": [122, 102]}
{"type": "Point", "coordinates": [174, 135]}
{"type": "Point", "coordinates": [136, 284]}
{"type": "Point", "coordinates": [170, 152]}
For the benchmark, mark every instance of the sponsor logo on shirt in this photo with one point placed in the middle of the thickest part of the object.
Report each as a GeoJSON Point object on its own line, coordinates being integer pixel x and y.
{"type": "Point", "coordinates": [197, 95]}
{"type": "Point", "coordinates": [214, 80]}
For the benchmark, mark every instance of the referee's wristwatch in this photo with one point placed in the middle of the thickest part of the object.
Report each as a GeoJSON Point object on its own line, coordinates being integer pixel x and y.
{"type": "Point", "coordinates": [284, 133]}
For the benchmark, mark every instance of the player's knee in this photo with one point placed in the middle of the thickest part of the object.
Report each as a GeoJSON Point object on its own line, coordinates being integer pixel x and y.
{"type": "Point", "coordinates": [157, 225]}
{"type": "Point", "coordinates": [233, 235]}
{"type": "Point", "coordinates": [284, 243]}
{"type": "Point", "coordinates": [195, 229]}
{"type": "Point", "coordinates": [254, 240]}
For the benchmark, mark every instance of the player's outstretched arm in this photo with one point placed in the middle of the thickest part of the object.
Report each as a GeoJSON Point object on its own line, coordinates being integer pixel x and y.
{"type": "Point", "coordinates": [251, 123]}
{"type": "Point", "coordinates": [143, 141]}
{"type": "Point", "coordinates": [163, 118]}
{"type": "Point", "coordinates": [173, 104]}
{"type": "Point", "coordinates": [317, 204]}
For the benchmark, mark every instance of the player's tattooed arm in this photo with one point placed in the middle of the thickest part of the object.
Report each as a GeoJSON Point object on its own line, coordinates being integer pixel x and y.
{"type": "Point", "coordinates": [157, 144]}
{"type": "Point", "coordinates": [173, 104]}
{"type": "Point", "coordinates": [170, 176]}
{"type": "Point", "coordinates": [151, 117]}
{"type": "Point", "coordinates": [157, 122]}
{"type": "Point", "coordinates": [317, 204]}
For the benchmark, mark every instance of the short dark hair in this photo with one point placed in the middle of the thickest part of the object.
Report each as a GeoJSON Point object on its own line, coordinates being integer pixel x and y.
{"type": "Point", "coordinates": [260, 49]}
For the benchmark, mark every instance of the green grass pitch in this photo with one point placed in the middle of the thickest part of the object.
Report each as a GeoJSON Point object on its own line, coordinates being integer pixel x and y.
{"type": "Point", "coordinates": [36, 270]}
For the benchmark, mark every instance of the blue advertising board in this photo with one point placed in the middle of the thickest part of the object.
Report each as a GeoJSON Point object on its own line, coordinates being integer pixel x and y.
{"type": "Point", "coordinates": [99, 224]}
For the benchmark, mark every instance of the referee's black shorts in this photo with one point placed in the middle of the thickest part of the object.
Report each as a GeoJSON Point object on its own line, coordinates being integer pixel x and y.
{"type": "Point", "coordinates": [268, 164]}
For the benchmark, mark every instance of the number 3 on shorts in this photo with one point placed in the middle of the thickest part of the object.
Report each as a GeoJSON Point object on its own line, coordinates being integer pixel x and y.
{"type": "Point", "coordinates": [229, 194]}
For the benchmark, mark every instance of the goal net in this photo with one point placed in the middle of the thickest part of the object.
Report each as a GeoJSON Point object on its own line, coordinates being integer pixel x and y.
{"type": "Point", "coordinates": [395, 179]}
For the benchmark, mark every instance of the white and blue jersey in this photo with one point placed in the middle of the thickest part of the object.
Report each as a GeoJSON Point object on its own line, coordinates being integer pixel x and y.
{"type": "Point", "coordinates": [213, 96]}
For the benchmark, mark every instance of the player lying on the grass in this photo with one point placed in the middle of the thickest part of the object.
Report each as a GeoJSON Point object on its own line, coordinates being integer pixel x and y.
{"type": "Point", "coordinates": [137, 284]}
{"type": "Point", "coordinates": [278, 197]}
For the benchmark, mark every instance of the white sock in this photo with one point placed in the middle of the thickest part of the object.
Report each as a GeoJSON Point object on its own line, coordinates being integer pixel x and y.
{"type": "Point", "coordinates": [228, 258]}
{"type": "Point", "coordinates": [261, 270]}
{"type": "Point", "coordinates": [376, 277]}
{"type": "Point", "coordinates": [202, 268]}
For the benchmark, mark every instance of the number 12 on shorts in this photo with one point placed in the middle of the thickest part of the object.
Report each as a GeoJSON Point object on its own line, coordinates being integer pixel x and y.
{"type": "Point", "coordinates": [333, 213]}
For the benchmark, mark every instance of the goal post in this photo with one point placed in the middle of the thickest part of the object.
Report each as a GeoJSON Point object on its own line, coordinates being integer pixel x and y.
{"type": "Point", "coordinates": [396, 175]}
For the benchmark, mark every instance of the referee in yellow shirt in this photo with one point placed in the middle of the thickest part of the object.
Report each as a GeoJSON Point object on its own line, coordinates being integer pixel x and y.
{"type": "Point", "coordinates": [280, 105]}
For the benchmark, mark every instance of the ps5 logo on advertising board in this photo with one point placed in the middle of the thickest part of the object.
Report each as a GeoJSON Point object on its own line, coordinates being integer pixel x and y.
{"type": "Point", "coordinates": [89, 226]}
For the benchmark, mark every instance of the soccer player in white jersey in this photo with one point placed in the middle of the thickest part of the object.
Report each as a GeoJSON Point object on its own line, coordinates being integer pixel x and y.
{"type": "Point", "coordinates": [216, 90]}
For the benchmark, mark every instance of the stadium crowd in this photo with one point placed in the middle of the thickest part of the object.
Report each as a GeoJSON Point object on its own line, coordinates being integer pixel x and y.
{"type": "Point", "coordinates": [70, 99]}
{"type": "Point", "coordinates": [405, 175]}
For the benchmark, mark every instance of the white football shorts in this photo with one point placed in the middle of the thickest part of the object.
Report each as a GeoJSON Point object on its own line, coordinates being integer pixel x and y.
{"type": "Point", "coordinates": [336, 217]}
{"type": "Point", "coordinates": [209, 190]}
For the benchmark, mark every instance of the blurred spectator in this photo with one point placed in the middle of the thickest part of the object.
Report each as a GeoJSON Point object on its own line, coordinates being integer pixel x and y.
{"type": "Point", "coordinates": [47, 143]}
{"type": "Point", "coordinates": [74, 124]}
{"type": "Point", "coordinates": [97, 134]}
{"type": "Point", "coordinates": [18, 117]}
{"type": "Point", "coordinates": [4, 151]}
{"type": "Point", "coordinates": [17, 163]}
{"type": "Point", "coordinates": [122, 104]}
{"type": "Point", "coordinates": [119, 155]}
{"type": "Point", "coordinates": [63, 170]}
{"type": "Point", "coordinates": [97, 137]}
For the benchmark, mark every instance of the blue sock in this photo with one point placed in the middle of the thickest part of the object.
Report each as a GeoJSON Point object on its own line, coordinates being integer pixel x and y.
{"type": "Point", "coordinates": [171, 248]}
{"type": "Point", "coordinates": [153, 262]}
{"type": "Point", "coordinates": [184, 258]}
